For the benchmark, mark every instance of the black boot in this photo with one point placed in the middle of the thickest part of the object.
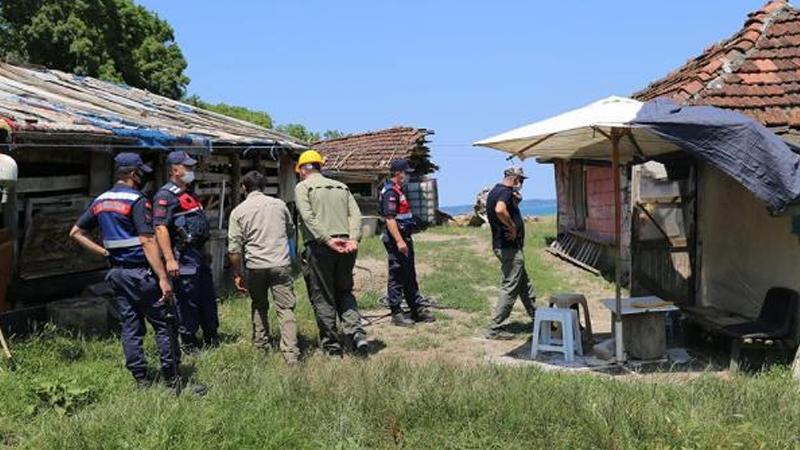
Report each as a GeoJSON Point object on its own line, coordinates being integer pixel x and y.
{"type": "Point", "coordinates": [144, 382]}
{"type": "Point", "coordinates": [212, 340]}
{"type": "Point", "coordinates": [189, 344]}
{"type": "Point", "coordinates": [421, 314]}
{"type": "Point", "coordinates": [178, 385]}
{"type": "Point", "coordinates": [399, 318]}
{"type": "Point", "coordinates": [360, 345]}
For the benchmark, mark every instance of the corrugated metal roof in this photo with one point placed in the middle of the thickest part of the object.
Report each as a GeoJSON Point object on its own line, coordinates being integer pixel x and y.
{"type": "Point", "coordinates": [55, 102]}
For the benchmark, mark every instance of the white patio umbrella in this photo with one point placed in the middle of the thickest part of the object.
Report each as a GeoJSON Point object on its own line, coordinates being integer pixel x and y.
{"type": "Point", "coordinates": [602, 130]}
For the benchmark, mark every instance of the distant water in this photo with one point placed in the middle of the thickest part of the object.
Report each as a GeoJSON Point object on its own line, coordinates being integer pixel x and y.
{"type": "Point", "coordinates": [532, 207]}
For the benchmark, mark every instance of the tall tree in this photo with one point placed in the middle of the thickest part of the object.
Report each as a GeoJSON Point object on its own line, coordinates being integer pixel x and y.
{"type": "Point", "coordinates": [115, 40]}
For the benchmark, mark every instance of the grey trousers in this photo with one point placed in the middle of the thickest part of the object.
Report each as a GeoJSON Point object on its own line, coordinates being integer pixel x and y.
{"type": "Point", "coordinates": [279, 281]}
{"type": "Point", "coordinates": [330, 284]}
{"type": "Point", "coordinates": [515, 284]}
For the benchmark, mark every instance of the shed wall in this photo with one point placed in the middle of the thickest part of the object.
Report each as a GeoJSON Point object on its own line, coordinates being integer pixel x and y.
{"type": "Point", "coordinates": [600, 203]}
{"type": "Point", "coordinates": [566, 217]}
{"type": "Point", "coordinates": [743, 250]}
{"type": "Point", "coordinates": [599, 194]}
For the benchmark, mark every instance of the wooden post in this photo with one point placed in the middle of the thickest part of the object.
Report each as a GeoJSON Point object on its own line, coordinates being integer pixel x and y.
{"type": "Point", "coordinates": [236, 178]}
{"type": "Point", "coordinates": [257, 160]}
{"type": "Point", "coordinates": [616, 135]}
{"type": "Point", "coordinates": [11, 222]}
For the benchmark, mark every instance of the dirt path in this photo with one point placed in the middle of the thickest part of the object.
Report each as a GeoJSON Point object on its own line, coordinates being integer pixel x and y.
{"type": "Point", "coordinates": [456, 335]}
{"type": "Point", "coordinates": [593, 287]}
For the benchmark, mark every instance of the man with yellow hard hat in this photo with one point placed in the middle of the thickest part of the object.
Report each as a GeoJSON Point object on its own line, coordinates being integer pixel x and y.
{"type": "Point", "coordinates": [331, 224]}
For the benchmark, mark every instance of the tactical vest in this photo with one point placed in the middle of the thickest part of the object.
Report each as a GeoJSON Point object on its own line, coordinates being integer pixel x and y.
{"type": "Point", "coordinates": [114, 212]}
{"type": "Point", "coordinates": [190, 225]}
{"type": "Point", "coordinates": [405, 220]}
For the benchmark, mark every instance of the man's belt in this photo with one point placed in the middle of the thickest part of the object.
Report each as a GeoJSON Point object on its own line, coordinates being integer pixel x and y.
{"type": "Point", "coordinates": [122, 243]}
{"type": "Point", "coordinates": [130, 265]}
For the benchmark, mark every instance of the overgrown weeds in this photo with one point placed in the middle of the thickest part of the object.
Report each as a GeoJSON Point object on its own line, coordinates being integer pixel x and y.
{"type": "Point", "coordinates": [255, 401]}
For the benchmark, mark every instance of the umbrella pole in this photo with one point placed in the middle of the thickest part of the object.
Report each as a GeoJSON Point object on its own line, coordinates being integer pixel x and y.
{"type": "Point", "coordinates": [616, 135]}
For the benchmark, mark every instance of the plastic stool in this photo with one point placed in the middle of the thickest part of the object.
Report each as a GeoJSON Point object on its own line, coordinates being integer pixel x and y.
{"type": "Point", "coordinates": [571, 335]}
{"type": "Point", "coordinates": [567, 301]}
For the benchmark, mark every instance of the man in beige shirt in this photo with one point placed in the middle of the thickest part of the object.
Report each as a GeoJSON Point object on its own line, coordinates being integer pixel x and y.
{"type": "Point", "coordinates": [261, 228]}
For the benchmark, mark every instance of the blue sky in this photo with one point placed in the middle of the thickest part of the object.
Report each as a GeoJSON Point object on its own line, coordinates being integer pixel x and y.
{"type": "Point", "coordinates": [465, 69]}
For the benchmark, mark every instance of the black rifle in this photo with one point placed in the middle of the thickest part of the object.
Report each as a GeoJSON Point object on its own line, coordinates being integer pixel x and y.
{"type": "Point", "coordinates": [171, 319]}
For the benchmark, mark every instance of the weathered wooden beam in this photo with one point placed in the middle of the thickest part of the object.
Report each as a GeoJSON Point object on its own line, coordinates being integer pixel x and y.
{"type": "Point", "coordinates": [46, 184]}
{"type": "Point", "coordinates": [214, 177]}
{"type": "Point", "coordinates": [236, 179]}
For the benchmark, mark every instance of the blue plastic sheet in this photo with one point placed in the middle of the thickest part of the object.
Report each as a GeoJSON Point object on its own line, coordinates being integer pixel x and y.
{"type": "Point", "coordinates": [745, 150]}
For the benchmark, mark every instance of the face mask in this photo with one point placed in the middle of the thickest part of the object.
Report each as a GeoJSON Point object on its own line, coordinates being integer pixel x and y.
{"type": "Point", "coordinates": [188, 177]}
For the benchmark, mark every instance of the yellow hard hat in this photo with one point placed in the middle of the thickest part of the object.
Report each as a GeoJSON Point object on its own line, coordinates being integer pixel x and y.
{"type": "Point", "coordinates": [309, 157]}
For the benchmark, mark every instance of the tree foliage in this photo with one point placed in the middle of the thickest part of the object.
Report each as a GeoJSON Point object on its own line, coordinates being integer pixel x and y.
{"type": "Point", "coordinates": [115, 40]}
{"type": "Point", "coordinates": [299, 132]}
{"type": "Point", "coordinates": [333, 134]}
{"type": "Point", "coordinates": [260, 118]}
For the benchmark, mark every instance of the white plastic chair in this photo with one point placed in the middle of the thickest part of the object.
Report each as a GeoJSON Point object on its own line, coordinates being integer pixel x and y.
{"type": "Point", "coordinates": [570, 335]}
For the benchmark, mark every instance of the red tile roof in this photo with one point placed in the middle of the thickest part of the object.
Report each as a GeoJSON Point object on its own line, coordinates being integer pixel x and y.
{"type": "Point", "coordinates": [372, 152]}
{"type": "Point", "coordinates": [756, 71]}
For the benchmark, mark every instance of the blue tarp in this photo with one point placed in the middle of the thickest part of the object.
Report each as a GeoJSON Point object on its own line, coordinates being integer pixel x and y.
{"type": "Point", "coordinates": [757, 158]}
{"type": "Point", "coordinates": [146, 137]}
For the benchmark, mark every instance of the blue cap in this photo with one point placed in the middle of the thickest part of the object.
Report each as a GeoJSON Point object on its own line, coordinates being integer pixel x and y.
{"type": "Point", "coordinates": [131, 160]}
{"type": "Point", "coordinates": [400, 165]}
{"type": "Point", "coordinates": [181, 157]}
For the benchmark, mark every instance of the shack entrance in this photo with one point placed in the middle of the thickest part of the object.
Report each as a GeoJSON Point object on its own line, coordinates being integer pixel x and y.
{"type": "Point", "coordinates": [664, 205]}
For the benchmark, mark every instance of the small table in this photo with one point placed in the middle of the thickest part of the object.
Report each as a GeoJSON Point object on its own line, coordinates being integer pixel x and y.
{"type": "Point", "coordinates": [643, 326]}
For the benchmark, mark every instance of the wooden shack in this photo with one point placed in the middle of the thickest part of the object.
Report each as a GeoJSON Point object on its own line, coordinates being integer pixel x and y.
{"type": "Point", "coordinates": [64, 130]}
{"type": "Point", "coordinates": [699, 238]}
{"type": "Point", "coordinates": [362, 162]}
{"type": "Point", "coordinates": [585, 214]}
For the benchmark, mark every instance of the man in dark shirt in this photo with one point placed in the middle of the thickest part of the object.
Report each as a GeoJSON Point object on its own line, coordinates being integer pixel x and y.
{"type": "Point", "coordinates": [400, 225]}
{"type": "Point", "coordinates": [182, 230]}
{"type": "Point", "coordinates": [508, 240]}
{"type": "Point", "coordinates": [137, 276]}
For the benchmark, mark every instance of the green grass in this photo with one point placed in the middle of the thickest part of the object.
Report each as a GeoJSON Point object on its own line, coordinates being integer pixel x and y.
{"type": "Point", "coordinates": [257, 402]}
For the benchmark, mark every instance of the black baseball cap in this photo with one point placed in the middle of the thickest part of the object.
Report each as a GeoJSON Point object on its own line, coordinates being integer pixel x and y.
{"type": "Point", "coordinates": [181, 157]}
{"type": "Point", "coordinates": [131, 160]}
{"type": "Point", "coordinates": [400, 165]}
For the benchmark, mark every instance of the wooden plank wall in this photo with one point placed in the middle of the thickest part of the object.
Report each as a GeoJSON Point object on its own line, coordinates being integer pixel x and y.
{"type": "Point", "coordinates": [56, 184]}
